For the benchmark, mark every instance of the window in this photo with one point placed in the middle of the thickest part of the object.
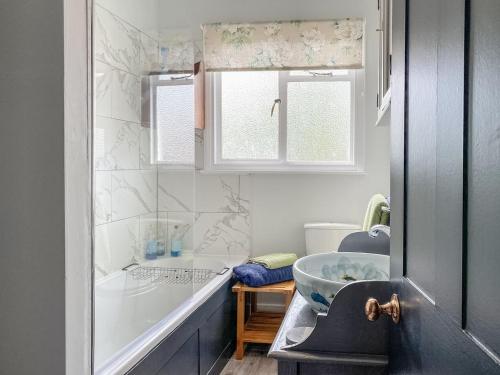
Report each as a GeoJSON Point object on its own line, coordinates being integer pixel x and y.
{"type": "Point", "coordinates": [173, 116]}
{"type": "Point", "coordinates": [288, 120]}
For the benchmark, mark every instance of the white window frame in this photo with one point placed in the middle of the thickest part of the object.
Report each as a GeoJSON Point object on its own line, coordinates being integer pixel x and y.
{"type": "Point", "coordinates": [180, 79]}
{"type": "Point", "coordinates": [215, 163]}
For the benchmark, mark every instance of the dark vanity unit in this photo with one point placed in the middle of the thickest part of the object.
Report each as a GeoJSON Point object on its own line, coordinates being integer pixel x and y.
{"type": "Point", "coordinates": [341, 342]}
{"type": "Point", "coordinates": [201, 345]}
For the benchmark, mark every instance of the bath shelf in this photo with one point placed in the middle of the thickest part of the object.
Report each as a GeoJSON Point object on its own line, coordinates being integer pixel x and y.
{"type": "Point", "coordinates": [172, 275]}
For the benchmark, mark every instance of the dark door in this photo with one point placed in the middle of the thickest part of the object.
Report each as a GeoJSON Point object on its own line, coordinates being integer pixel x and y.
{"type": "Point", "coordinates": [445, 186]}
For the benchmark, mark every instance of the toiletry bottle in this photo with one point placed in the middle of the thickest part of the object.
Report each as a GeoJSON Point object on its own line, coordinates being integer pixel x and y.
{"type": "Point", "coordinates": [151, 250]}
{"type": "Point", "coordinates": [176, 246]}
{"type": "Point", "coordinates": [160, 248]}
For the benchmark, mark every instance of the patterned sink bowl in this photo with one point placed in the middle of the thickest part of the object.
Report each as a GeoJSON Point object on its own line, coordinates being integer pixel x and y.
{"type": "Point", "coordinates": [319, 277]}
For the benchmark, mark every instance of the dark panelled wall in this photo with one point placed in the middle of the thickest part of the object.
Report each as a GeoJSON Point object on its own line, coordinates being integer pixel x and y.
{"type": "Point", "coordinates": [483, 266]}
{"type": "Point", "coordinates": [421, 154]}
{"type": "Point", "coordinates": [32, 188]}
{"type": "Point", "coordinates": [445, 131]}
{"type": "Point", "coordinates": [449, 207]}
{"type": "Point", "coordinates": [435, 126]}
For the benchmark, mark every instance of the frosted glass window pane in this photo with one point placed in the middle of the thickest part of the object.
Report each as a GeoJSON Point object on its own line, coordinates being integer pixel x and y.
{"type": "Point", "coordinates": [175, 124]}
{"type": "Point", "coordinates": [247, 129]}
{"type": "Point", "coordinates": [319, 118]}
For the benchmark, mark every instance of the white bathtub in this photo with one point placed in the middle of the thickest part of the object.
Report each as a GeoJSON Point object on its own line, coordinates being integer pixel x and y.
{"type": "Point", "coordinates": [131, 317]}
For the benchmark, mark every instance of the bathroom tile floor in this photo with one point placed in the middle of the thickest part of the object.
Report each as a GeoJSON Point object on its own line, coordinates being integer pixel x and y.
{"type": "Point", "coordinates": [255, 362]}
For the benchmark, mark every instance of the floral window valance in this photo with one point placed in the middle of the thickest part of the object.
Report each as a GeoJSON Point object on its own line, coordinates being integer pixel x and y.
{"type": "Point", "coordinates": [334, 44]}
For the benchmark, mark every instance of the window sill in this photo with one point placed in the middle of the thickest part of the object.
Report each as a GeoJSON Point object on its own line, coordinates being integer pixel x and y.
{"type": "Point", "coordinates": [235, 170]}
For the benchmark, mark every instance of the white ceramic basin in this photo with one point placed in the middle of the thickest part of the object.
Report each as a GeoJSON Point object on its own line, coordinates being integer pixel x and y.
{"type": "Point", "coordinates": [319, 277]}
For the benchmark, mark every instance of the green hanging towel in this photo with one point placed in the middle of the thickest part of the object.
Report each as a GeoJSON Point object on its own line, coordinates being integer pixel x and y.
{"type": "Point", "coordinates": [276, 260]}
{"type": "Point", "coordinates": [375, 213]}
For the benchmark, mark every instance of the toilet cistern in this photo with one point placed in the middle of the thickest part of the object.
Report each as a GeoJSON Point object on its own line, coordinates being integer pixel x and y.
{"type": "Point", "coordinates": [376, 229]}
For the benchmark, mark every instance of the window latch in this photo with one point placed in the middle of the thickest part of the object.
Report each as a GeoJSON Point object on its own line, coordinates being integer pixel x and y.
{"type": "Point", "coordinates": [318, 74]}
{"type": "Point", "coordinates": [187, 76]}
{"type": "Point", "coordinates": [276, 101]}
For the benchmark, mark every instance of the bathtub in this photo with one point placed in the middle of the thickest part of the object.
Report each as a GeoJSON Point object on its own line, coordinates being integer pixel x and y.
{"type": "Point", "coordinates": [133, 316]}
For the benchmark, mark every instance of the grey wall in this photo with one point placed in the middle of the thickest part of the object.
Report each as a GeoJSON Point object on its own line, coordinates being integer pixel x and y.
{"type": "Point", "coordinates": [32, 258]}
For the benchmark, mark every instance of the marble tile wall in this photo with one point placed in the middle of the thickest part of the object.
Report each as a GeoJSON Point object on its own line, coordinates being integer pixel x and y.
{"type": "Point", "coordinates": [125, 181]}
{"type": "Point", "coordinates": [135, 201]}
{"type": "Point", "coordinates": [211, 218]}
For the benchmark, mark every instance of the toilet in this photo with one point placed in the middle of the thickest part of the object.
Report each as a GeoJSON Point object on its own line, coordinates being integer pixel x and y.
{"type": "Point", "coordinates": [326, 237]}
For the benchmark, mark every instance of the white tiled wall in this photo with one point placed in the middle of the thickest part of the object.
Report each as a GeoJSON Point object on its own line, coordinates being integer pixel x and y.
{"type": "Point", "coordinates": [116, 243]}
{"type": "Point", "coordinates": [207, 212]}
{"type": "Point", "coordinates": [134, 200]}
{"type": "Point", "coordinates": [125, 182]}
{"type": "Point", "coordinates": [117, 144]}
{"type": "Point", "coordinates": [102, 197]}
{"type": "Point", "coordinates": [176, 191]}
{"type": "Point", "coordinates": [133, 193]}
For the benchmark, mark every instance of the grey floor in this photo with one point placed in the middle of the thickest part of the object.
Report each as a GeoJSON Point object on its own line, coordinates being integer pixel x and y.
{"type": "Point", "coordinates": [255, 362]}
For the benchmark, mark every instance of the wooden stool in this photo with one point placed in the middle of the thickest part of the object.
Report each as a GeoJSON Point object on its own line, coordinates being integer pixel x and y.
{"type": "Point", "coordinates": [260, 327]}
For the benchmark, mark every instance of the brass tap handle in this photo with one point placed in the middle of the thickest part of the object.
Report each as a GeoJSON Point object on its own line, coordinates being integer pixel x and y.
{"type": "Point", "coordinates": [373, 309]}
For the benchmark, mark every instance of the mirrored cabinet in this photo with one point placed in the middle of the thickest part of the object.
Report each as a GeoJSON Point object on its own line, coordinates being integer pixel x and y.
{"type": "Point", "coordinates": [385, 54]}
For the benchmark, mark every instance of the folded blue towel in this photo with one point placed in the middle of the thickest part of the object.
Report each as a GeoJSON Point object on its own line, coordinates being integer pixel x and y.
{"type": "Point", "coordinates": [257, 275]}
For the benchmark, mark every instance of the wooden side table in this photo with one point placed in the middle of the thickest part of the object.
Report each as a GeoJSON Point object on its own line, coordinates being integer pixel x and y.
{"type": "Point", "coordinates": [260, 327]}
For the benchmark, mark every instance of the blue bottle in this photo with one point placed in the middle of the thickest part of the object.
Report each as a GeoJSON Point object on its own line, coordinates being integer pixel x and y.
{"type": "Point", "coordinates": [160, 248]}
{"type": "Point", "coordinates": [176, 248]}
{"type": "Point", "coordinates": [151, 249]}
